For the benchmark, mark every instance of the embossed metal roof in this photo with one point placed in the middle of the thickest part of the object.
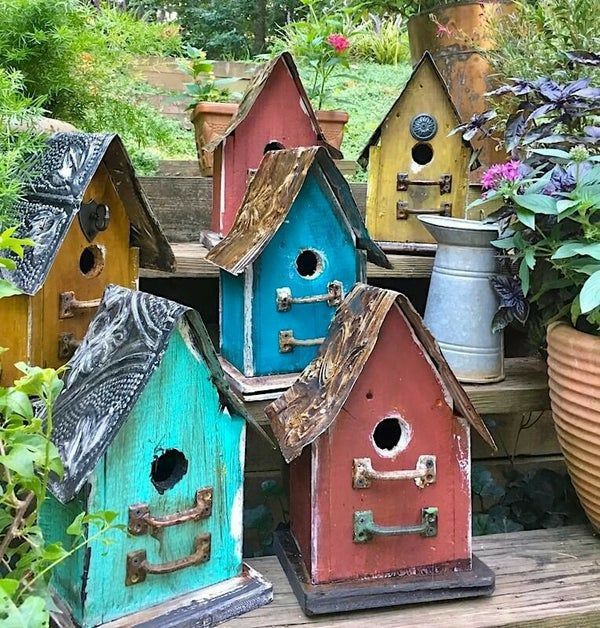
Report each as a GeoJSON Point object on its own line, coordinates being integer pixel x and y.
{"type": "Point", "coordinates": [312, 404]}
{"type": "Point", "coordinates": [269, 198]}
{"type": "Point", "coordinates": [121, 350]}
{"type": "Point", "coordinates": [53, 199]}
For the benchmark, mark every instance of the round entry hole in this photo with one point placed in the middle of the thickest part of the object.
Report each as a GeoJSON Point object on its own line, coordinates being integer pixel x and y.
{"type": "Point", "coordinates": [91, 261]}
{"type": "Point", "coordinates": [387, 434]}
{"type": "Point", "coordinates": [422, 153]}
{"type": "Point", "coordinates": [168, 469]}
{"type": "Point", "coordinates": [273, 145]}
{"type": "Point", "coordinates": [309, 263]}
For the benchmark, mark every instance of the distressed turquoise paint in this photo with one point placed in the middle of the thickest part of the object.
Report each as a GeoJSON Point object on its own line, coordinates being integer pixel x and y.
{"type": "Point", "coordinates": [178, 409]}
{"type": "Point", "coordinates": [314, 222]}
{"type": "Point", "coordinates": [232, 318]}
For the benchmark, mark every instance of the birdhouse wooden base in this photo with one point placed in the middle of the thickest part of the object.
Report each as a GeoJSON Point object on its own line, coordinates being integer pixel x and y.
{"type": "Point", "coordinates": [260, 388]}
{"type": "Point", "coordinates": [352, 595]}
{"type": "Point", "coordinates": [206, 607]}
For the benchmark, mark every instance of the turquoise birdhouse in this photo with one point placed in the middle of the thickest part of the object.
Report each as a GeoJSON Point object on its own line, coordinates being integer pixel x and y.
{"type": "Point", "coordinates": [297, 246]}
{"type": "Point", "coordinates": [148, 428]}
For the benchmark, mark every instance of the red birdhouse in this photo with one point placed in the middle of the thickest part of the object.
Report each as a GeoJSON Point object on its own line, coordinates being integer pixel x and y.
{"type": "Point", "coordinates": [377, 433]}
{"type": "Point", "coordinates": [274, 113]}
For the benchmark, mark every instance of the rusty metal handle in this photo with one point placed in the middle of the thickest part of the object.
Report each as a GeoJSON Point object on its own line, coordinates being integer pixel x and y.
{"type": "Point", "coordinates": [141, 521]}
{"type": "Point", "coordinates": [138, 566]}
{"type": "Point", "coordinates": [333, 297]}
{"type": "Point", "coordinates": [403, 211]}
{"type": "Point", "coordinates": [444, 182]}
{"type": "Point", "coordinates": [68, 304]}
{"type": "Point", "coordinates": [365, 527]}
{"type": "Point", "coordinates": [423, 474]}
{"type": "Point", "coordinates": [287, 342]}
{"type": "Point", "coordinates": [67, 343]}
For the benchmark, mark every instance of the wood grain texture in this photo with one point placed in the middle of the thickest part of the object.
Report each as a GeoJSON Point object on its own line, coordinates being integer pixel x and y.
{"type": "Point", "coordinates": [544, 578]}
{"type": "Point", "coordinates": [15, 337]}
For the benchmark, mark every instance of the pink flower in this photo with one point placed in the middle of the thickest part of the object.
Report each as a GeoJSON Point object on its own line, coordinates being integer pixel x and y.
{"type": "Point", "coordinates": [340, 43]}
{"type": "Point", "coordinates": [496, 175]}
{"type": "Point", "coordinates": [442, 31]}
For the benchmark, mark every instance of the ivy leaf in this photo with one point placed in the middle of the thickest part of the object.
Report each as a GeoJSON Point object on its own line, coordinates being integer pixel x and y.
{"type": "Point", "coordinates": [76, 528]}
{"type": "Point", "coordinates": [589, 297]}
{"type": "Point", "coordinates": [7, 289]}
{"type": "Point", "coordinates": [20, 459]}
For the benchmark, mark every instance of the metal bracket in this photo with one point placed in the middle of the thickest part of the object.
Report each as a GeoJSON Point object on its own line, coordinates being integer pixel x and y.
{"type": "Point", "coordinates": [365, 527]}
{"type": "Point", "coordinates": [334, 296]}
{"type": "Point", "coordinates": [141, 521]}
{"type": "Point", "coordinates": [287, 342]}
{"type": "Point", "coordinates": [403, 211]}
{"type": "Point", "coordinates": [138, 567]}
{"type": "Point", "coordinates": [93, 218]}
{"type": "Point", "coordinates": [68, 303]}
{"type": "Point", "coordinates": [444, 182]}
{"type": "Point", "coordinates": [67, 343]}
{"type": "Point", "coordinates": [423, 474]}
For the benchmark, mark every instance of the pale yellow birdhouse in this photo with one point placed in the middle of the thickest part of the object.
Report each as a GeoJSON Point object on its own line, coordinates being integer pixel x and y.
{"type": "Point", "coordinates": [91, 224]}
{"type": "Point", "coordinates": [415, 166]}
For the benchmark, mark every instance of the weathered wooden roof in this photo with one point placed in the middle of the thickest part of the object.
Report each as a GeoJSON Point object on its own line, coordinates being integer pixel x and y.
{"type": "Point", "coordinates": [121, 350]}
{"type": "Point", "coordinates": [312, 404]}
{"type": "Point", "coordinates": [269, 198]}
{"type": "Point", "coordinates": [363, 158]}
{"type": "Point", "coordinates": [54, 197]}
{"type": "Point", "coordinates": [257, 84]}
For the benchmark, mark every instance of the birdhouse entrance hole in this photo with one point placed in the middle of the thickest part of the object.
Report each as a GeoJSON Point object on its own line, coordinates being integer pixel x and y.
{"type": "Point", "coordinates": [422, 153]}
{"type": "Point", "coordinates": [390, 436]}
{"type": "Point", "coordinates": [309, 264]}
{"type": "Point", "coordinates": [168, 469]}
{"type": "Point", "coordinates": [273, 145]}
{"type": "Point", "coordinates": [91, 261]}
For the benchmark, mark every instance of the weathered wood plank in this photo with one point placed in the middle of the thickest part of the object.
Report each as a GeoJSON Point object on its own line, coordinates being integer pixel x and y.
{"type": "Point", "coordinates": [543, 578]}
{"type": "Point", "coordinates": [191, 262]}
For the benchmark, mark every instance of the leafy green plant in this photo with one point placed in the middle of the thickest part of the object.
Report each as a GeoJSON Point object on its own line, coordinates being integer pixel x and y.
{"type": "Point", "coordinates": [383, 40]}
{"type": "Point", "coordinates": [525, 501]}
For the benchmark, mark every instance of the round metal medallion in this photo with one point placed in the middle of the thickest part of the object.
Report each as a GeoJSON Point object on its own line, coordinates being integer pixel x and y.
{"type": "Point", "coordinates": [423, 127]}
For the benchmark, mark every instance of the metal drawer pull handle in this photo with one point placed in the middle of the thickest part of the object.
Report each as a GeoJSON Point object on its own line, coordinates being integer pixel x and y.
{"type": "Point", "coordinates": [423, 474]}
{"type": "Point", "coordinates": [68, 304]}
{"type": "Point", "coordinates": [444, 182]}
{"type": "Point", "coordinates": [334, 296]}
{"type": "Point", "coordinates": [138, 566]}
{"type": "Point", "coordinates": [365, 528]}
{"type": "Point", "coordinates": [142, 522]}
{"type": "Point", "coordinates": [287, 342]}
{"type": "Point", "coordinates": [403, 211]}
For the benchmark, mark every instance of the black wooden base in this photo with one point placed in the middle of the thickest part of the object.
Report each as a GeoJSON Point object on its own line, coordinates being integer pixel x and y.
{"type": "Point", "coordinates": [351, 595]}
{"type": "Point", "coordinates": [207, 607]}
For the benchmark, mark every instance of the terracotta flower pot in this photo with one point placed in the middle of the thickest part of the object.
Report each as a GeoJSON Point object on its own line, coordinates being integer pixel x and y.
{"type": "Point", "coordinates": [574, 374]}
{"type": "Point", "coordinates": [332, 124]}
{"type": "Point", "coordinates": [453, 45]}
{"type": "Point", "coordinates": [210, 120]}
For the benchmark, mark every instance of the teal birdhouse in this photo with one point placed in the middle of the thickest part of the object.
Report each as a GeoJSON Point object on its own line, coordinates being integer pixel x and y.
{"type": "Point", "coordinates": [297, 246]}
{"type": "Point", "coordinates": [148, 428]}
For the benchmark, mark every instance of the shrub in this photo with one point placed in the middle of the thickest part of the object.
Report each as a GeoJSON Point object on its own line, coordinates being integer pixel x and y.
{"type": "Point", "coordinates": [383, 40]}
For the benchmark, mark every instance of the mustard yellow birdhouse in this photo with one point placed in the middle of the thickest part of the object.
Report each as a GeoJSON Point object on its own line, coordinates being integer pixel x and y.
{"type": "Point", "coordinates": [91, 225]}
{"type": "Point", "coordinates": [415, 166]}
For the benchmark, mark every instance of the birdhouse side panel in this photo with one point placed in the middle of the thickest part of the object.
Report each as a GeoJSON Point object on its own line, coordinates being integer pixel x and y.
{"type": "Point", "coordinates": [278, 116]}
{"type": "Point", "coordinates": [15, 335]}
{"type": "Point", "coordinates": [222, 164]}
{"type": "Point", "coordinates": [232, 318]}
{"type": "Point", "coordinates": [68, 577]}
{"type": "Point", "coordinates": [177, 441]}
{"type": "Point", "coordinates": [410, 170]}
{"type": "Point", "coordinates": [301, 503]}
{"type": "Point", "coordinates": [313, 254]}
{"type": "Point", "coordinates": [81, 271]}
{"type": "Point", "coordinates": [396, 415]}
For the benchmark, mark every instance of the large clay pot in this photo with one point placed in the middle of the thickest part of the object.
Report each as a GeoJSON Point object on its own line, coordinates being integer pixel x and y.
{"type": "Point", "coordinates": [454, 51]}
{"type": "Point", "coordinates": [332, 124]}
{"type": "Point", "coordinates": [574, 379]}
{"type": "Point", "coordinates": [210, 120]}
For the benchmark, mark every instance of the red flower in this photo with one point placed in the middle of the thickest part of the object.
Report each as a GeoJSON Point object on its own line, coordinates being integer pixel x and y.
{"type": "Point", "coordinates": [340, 43]}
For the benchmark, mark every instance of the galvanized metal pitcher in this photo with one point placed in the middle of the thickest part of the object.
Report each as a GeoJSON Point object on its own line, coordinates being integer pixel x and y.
{"type": "Point", "coordinates": [461, 302]}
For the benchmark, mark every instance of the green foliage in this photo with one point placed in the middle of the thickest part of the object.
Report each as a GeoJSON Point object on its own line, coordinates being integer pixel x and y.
{"type": "Point", "coordinates": [526, 501]}
{"type": "Point", "coordinates": [27, 459]}
{"type": "Point", "coordinates": [382, 40]}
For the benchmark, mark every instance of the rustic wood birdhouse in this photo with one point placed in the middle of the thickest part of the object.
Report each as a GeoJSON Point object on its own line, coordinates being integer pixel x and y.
{"type": "Point", "coordinates": [148, 428]}
{"type": "Point", "coordinates": [415, 166]}
{"type": "Point", "coordinates": [274, 113]}
{"type": "Point", "coordinates": [91, 225]}
{"type": "Point", "coordinates": [297, 246]}
{"type": "Point", "coordinates": [377, 432]}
